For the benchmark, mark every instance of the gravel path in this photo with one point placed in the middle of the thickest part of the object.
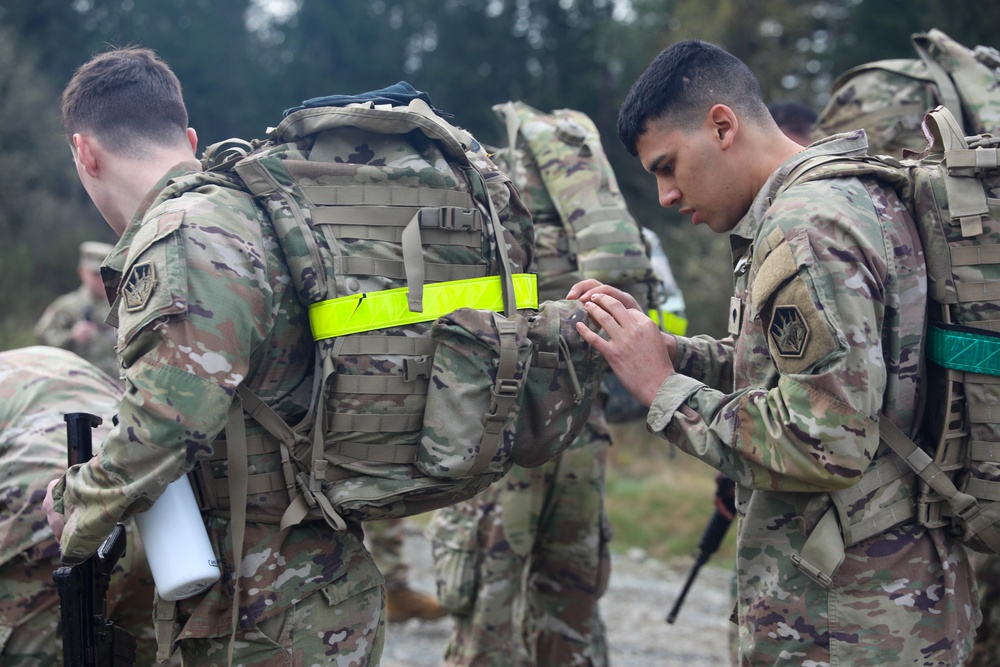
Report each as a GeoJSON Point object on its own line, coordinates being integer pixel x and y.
{"type": "Point", "coordinates": [642, 591]}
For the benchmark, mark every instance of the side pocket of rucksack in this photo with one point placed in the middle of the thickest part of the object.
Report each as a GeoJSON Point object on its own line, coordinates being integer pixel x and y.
{"type": "Point", "coordinates": [480, 361]}
{"type": "Point", "coordinates": [454, 537]}
{"type": "Point", "coordinates": [563, 378]}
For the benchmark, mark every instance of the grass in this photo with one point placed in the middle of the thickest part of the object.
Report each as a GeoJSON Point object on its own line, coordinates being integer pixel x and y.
{"type": "Point", "coordinates": [658, 498]}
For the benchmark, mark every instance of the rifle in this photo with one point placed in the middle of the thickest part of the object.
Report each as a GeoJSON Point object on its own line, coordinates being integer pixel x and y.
{"type": "Point", "coordinates": [712, 537]}
{"type": "Point", "coordinates": [90, 638]}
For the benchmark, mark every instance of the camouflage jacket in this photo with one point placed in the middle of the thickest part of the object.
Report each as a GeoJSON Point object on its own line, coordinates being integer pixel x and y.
{"type": "Point", "coordinates": [56, 324]}
{"type": "Point", "coordinates": [205, 303]}
{"type": "Point", "coordinates": [827, 325]}
{"type": "Point", "coordinates": [38, 385]}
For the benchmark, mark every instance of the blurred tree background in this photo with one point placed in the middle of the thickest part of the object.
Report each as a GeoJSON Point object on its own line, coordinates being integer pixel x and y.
{"type": "Point", "coordinates": [242, 62]}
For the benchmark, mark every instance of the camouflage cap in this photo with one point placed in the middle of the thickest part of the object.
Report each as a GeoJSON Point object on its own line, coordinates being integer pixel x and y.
{"type": "Point", "coordinates": [92, 254]}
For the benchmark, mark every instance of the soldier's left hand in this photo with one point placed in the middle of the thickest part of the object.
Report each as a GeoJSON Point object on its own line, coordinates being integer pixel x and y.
{"type": "Point", "coordinates": [56, 520]}
{"type": "Point", "coordinates": [635, 348]}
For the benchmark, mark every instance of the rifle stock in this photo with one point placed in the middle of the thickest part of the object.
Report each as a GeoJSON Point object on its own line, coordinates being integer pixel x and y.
{"type": "Point", "coordinates": [90, 638]}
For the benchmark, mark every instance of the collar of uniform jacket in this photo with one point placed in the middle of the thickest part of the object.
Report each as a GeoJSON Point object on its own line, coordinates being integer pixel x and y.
{"type": "Point", "coordinates": [848, 144]}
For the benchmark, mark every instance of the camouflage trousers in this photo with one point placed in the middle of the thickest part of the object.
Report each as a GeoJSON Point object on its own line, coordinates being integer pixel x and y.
{"type": "Point", "coordinates": [29, 605]}
{"type": "Point", "coordinates": [385, 542]}
{"type": "Point", "coordinates": [986, 650]}
{"type": "Point", "coordinates": [317, 630]}
{"type": "Point", "coordinates": [522, 565]}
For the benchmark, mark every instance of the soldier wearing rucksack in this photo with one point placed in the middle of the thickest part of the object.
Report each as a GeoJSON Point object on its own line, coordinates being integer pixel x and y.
{"type": "Point", "coordinates": [826, 352]}
{"type": "Point", "coordinates": [283, 320]}
{"type": "Point", "coordinates": [889, 99]}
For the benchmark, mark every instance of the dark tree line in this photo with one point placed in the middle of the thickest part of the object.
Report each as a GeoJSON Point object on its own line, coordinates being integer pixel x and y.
{"type": "Point", "coordinates": [242, 62]}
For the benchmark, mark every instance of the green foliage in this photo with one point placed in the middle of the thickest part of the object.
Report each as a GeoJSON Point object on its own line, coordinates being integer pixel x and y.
{"type": "Point", "coordinates": [244, 61]}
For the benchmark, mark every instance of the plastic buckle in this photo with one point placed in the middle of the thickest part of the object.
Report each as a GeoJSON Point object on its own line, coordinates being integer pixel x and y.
{"type": "Point", "coordinates": [417, 367]}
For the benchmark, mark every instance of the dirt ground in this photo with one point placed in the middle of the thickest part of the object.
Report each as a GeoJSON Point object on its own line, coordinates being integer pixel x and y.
{"type": "Point", "coordinates": [641, 593]}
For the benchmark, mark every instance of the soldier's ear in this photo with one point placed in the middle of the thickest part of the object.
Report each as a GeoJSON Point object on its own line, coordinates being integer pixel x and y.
{"type": "Point", "coordinates": [85, 154]}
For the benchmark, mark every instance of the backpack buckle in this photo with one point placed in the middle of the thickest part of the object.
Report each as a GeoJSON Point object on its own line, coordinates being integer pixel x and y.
{"type": "Point", "coordinates": [449, 217]}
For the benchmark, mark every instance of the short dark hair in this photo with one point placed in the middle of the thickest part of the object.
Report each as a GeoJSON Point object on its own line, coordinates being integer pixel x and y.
{"type": "Point", "coordinates": [129, 99]}
{"type": "Point", "coordinates": [682, 83]}
{"type": "Point", "coordinates": [793, 116]}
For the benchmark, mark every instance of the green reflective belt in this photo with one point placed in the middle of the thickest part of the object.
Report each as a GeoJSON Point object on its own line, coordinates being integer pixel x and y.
{"type": "Point", "coordinates": [668, 322]}
{"type": "Point", "coordinates": [964, 349]}
{"type": "Point", "coordinates": [388, 308]}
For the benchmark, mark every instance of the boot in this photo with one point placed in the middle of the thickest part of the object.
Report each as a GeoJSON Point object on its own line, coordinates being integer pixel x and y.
{"type": "Point", "coordinates": [405, 603]}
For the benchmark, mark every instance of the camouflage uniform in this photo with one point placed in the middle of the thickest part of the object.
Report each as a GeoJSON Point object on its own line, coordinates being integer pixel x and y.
{"type": "Point", "coordinates": [536, 548]}
{"type": "Point", "coordinates": [385, 540]}
{"type": "Point", "coordinates": [38, 385]}
{"type": "Point", "coordinates": [831, 289]}
{"type": "Point", "coordinates": [206, 304]}
{"type": "Point", "coordinates": [55, 326]}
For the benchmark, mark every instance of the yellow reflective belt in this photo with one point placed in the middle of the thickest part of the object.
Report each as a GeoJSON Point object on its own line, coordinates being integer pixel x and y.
{"type": "Point", "coordinates": [672, 324]}
{"type": "Point", "coordinates": [388, 308]}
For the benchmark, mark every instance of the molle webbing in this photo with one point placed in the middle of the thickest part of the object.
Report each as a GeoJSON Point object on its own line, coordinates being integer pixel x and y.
{"type": "Point", "coordinates": [388, 308]}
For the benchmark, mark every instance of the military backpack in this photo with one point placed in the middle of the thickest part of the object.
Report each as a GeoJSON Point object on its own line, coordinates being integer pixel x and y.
{"type": "Point", "coordinates": [951, 462]}
{"type": "Point", "coordinates": [888, 98]}
{"type": "Point", "coordinates": [411, 250]}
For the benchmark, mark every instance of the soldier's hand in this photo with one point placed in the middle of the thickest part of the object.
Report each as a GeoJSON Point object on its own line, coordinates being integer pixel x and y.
{"type": "Point", "coordinates": [83, 332]}
{"type": "Point", "coordinates": [56, 520]}
{"type": "Point", "coordinates": [636, 349]}
{"type": "Point", "coordinates": [586, 289]}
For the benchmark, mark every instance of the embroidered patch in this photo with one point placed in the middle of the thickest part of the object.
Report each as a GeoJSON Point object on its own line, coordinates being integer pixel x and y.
{"type": "Point", "coordinates": [139, 286]}
{"type": "Point", "coordinates": [789, 331]}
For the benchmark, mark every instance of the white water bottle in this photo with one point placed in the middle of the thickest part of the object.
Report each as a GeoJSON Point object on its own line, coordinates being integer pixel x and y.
{"type": "Point", "coordinates": [177, 546]}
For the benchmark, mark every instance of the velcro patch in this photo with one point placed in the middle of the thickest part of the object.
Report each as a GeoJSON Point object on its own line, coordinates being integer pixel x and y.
{"type": "Point", "coordinates": [798, 335]}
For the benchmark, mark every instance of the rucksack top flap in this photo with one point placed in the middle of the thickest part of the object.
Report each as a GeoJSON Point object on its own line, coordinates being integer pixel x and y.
{"type": "Point", "coordinates": [964, 77]}
{"type": "Point", "coordinates": [395, 120]}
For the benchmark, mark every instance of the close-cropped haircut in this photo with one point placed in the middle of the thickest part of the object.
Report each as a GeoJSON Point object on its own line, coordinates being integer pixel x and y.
{"type": "Point", "coordinates": [681, 84]}
{"type": "Point", "coordinates": [129, 99]}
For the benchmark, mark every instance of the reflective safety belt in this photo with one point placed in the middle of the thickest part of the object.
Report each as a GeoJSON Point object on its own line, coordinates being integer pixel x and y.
{"type": "Point", "coordinates": [668, 322]}
{"type": "Point", "coordinates": [389, 308]}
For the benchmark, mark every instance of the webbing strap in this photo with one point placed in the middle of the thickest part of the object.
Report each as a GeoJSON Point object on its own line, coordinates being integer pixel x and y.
{"type": "Point", "coordinates": [612, 262]}
{"type": "Point", "coordinates": [355, 265]}
{"type": "Point", "coordinates": [389, 308]}
{"type": "Point", "coordinates": [413, 264]}
{"type": "Point", "coordinates": [166, 612]}
{"type": "Point", "coordinates": [978, 159]}
{"type": "Point", "coordinates": [377, 384]}
{"type": "Point", "coordinates": [504, 395]}
{"type": "Point", "coordinates": [381, 195]}
{"type": "Point", "coordinates": [981, 450]}
{"type": "Point", "coordinates": [394, 234]}
{"type": "Point", "coordinates": [966, 195]}
{"type": "Point", "coordinates": [823, 551]}
{"type": "Point", "coordinates": [343, 422]}
{"type": "Point", "coordinates": [973, 255]}
{"type": "Point", "coordinates": [360, 451]}
{"type": "Point", "coordinates": [971, 292]}
{"type": "Point", "coordinates": [446, 217]}
{"type": "Point", "coordinates": [946, 87]}
{"type": "Point", "coordinates": [982, 488]}
{"type": "Point", "coordinates": [925, 467]}
{"type": "Point", "coordinates": [375, 344]}
{"type": "Point", "coordinates": [236, 437]}
{"type": "Point", "coordinates": [591, 241]}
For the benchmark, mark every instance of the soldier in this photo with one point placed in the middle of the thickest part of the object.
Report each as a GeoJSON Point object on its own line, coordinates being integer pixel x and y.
{"type": "Point", "coordinates": [827, 329]}
{"type": "Point", "coordinates": [206, 304]}
{"type": "Point", "coordinates": [385, 540]}
{"type": "Point", "coordinates": [75, 321]}
{"type": "Point", "coordinates": [38, 385]}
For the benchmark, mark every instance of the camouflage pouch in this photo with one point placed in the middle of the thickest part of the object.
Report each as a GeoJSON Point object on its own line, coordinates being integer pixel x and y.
{"type": "Point", "coordinates": [564, 376]}
{"type": "Point", "coordinates": [480, 362]}
{"type": "Point", "coordinates": [454, 539]}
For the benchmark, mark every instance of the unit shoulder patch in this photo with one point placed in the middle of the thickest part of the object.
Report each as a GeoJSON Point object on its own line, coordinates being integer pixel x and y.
{"type": "Point", "coordinates": [789, 331]}
{"type": "Point", "coordinates": [138, 286]}
{"type": "Point", "coordinates": [798, 334]}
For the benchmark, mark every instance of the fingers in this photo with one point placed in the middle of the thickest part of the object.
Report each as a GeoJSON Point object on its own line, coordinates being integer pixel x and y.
{"type": "Point", "coordinates": [579, 290]}
{"type": "Point", "coordinates": [56, 520]}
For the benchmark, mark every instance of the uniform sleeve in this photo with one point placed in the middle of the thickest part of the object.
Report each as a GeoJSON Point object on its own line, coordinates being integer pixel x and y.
{"type": "Point", "coordinates": [809, 421]}
{"type": "Point", "coordinates": [707, 360]}
{"type": "Point", "coordinates": [195, 301]}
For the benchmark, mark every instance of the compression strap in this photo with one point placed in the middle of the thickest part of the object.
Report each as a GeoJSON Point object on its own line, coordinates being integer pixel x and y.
{"type": "Point", "coordinates": [389, 308]}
